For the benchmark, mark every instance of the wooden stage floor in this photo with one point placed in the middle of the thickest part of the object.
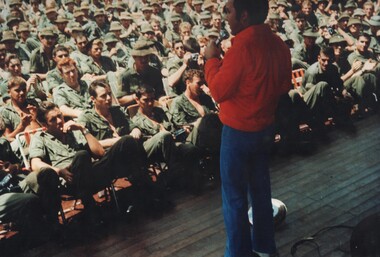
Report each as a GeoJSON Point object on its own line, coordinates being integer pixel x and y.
{"type": "Point", "coordinates": [338, 184]}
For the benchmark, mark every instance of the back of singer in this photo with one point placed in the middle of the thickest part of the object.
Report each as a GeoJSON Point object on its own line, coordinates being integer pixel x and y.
{"type": "Point", "coordinates": [247, 84]}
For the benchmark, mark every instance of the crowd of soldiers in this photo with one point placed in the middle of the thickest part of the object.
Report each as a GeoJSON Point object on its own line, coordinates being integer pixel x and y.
{"type": "Point", "coordinates": [78, 68]}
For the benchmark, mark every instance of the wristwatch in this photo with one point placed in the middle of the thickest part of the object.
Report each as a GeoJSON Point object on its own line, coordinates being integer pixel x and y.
{"type": "Point", "coordinates": [85, 131]}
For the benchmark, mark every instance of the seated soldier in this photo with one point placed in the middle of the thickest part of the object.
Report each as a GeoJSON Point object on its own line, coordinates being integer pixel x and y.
{"type": "Point", "coordinates": [20, 113]}
{"type": "Point", "coordinates": [97, 65]}
{"type": "Point", "coordinates": [109, 123]}
{"type": "Point", "coordinates": [192, 107]}
{"type": "Point", "coordinates": [71, 96]}
{"type": "Point", "coordinates": [54, 77]}
{"type": "Point", "coordinates": [13, 67]}
{"type": "Point", "coordinates": [323, 92]}
{"type": "Point", "coordinates": [41, 59]}
{"type": "Point", "coordinates": [141, 73]}
{"type": "Point", "coordinates": [67, 149]}
{"type": "Point", "coordinates": [176, 66]}
{"type": "Point", "coordinates": [153, 120]}
{"type": "Point", "coordinates": [17, 201]}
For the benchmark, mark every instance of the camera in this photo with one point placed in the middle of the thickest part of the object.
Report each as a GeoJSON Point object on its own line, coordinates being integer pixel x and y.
{"type": "Point", "coordinates": [194, 57]}
{"type": "Point", "coordinates": [331, 30]}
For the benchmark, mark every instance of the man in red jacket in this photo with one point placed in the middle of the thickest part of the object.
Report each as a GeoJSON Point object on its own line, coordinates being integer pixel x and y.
{"type": "Point", "coordinates": [247, 84]}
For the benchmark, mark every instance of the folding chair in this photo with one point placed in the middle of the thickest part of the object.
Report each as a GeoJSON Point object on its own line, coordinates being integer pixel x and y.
{"type": "Point", "coordinates": [297, 76]}
{"type": "Point", "coordinates": [23, 140]}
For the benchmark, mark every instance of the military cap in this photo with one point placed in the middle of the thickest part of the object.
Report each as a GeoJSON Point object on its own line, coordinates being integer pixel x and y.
{"type": "Point", "coordinates": [142, 48]}
{"type": "Point", "coordinates": [84, 6]}
{"type": "Point", "coordinates": [12, 18]}
{"type": "Point", "coordinates": [273, 4]}
{"type": "Point", "coordinates": [205, 15]}
{"type": "Point", "coordinates": [322, 1]}
{"type": "Point", "coordinates": [343, 16]}
{"type": "Point", "coordinates": [353, 21]}
{"type": "Point", "coordinates": [50, 10]}
{"type": "Point", "coordinates": [282, 3]}
{"type": "Point", "coordinates": [99, 12]}
{"type": "Point", "coordinates": [146, 27]}
{"type": "Point", "coordinates": [14, 2]}
{"type": "Point", "coordinates": [177, 2]}
{"type": "Point", "coordinates": [78, 12]}
{"type": "Point", "coordinates": [274, 16]}
{"type": "Point", "coordinates": [109, 7]}
{"type": "Point", "coordinates": [195, 2]}
{"type": "Point", "coordinates": [75, 26]}
{"type": "Point", "coordinates": [358, 12]}
{"type": "Point", "coordinates": [110, 37]}
{"type": "Point", "coordinates": [154, 2]}
{"type": "Point", "coordinates": [207, 5]}
{"type": "Point", "coordinates": [49, 31]}
{"type": "Point", "coordinates": [9, 35]}
{"type": "Point", "coordinates": [61, 19]}
{"type": "Point", "coordinates": [120, 6]}
{"type": "Point", "coordinates": [23, 26]}
{"type": "Point", "coordinates": [125, 16]}
{"type": "Point", "coordinates": [213, 33]}
{"type": "Point", "coordinates": [310, 33]}
{"type": "Point", "coordinates": [115, 25]}
{"type": "Point", "coordinates": [374, 21]}
{"type": "Point", "coordinates": [69, 2]}
{"type": "Point", "coordinates": [146, 8]}
{"type": "Point", "coordinates": [336, 39]}
{"type": "Point", "coordinates": [350, 4]}
{"type": "Point", "coordinates": [176, 17]}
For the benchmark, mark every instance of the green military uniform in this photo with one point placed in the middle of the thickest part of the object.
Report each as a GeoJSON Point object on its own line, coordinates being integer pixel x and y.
{"type": "Point", "coordinates": [364, 86]}
{"type": "Point", "coordinates": [65, 95]}
{"type": "Point", "coordinates": [53, 79]}
{"type": "Point", "coordinates": [81, 59]}
{"type": "Point", "coordinates": [157, 147]}
{"type": "Point", "coordinates": [94, 31]}
{"type": "Point", "coordinates": [10, 116]}
{"type": "Point", "coordinates": [63, 38]}
{"type": "Point", "coordinates": [318, 89]}
{"type": "Point", "coordinates": [200, 30]}
{"type": "Point", "coordinates": [150, 128]}
{"type": "Point", "coordinates": [50, 150]}
{"type": "Point", "coordinates": [131, 81]}
{"type": "Point", "coordinates": [184, 113]}
{"type": "Point", "coordinates": [89, 66]}
{"type": "Point", "coordinates": [308, 56]}
{"type": "Point", "coordinates": [40, 62]}
{"type": "Point", "coordinates": [171, 35]}
{"type": "Point", "coordinates": [173, 65]}
{"type": "Point", "coordinates": [100, 128]}
{"type": "Point", "coordinates": [180, 155]}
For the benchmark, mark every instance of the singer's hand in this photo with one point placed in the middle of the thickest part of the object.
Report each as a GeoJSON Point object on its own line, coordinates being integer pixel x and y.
{"type": "Point", "coordinates": [212, 50]}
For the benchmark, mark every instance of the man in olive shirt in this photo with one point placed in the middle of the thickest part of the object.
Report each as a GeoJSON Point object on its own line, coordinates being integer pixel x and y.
{"type": "Point", "coordinates": [193, 106]}
{"type": "Point", "coordinates": [109, 123]}
{"type": "Point", "coordinates": [68, 149]}
{"type": "Point", "coordinates": [54, 77]}
{"type": "Point", "coordinates": [141, 73]}
{"type": "Point", "coordinates": [152, 121]}
{"type": "Point", "coordinates": [71, 96]}
{"type": "Point", "coordinates": [41, 59]}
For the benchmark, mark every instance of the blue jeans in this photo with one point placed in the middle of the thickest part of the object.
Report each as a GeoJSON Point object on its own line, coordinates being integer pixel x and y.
{"type": "Point", "coordinates": [244, 168]}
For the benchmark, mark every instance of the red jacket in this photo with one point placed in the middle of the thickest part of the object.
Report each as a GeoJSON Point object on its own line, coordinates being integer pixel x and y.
{"type": "Point", "coordinates": [248, 82]}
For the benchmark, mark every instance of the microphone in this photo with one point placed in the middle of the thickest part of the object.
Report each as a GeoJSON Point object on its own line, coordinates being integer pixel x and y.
{"type": "Point", "coordinates": [222, 36]}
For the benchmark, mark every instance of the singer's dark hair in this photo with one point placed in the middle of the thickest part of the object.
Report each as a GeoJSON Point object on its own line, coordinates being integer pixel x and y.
{"type": "Point", "coordinates": [257, 10]}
